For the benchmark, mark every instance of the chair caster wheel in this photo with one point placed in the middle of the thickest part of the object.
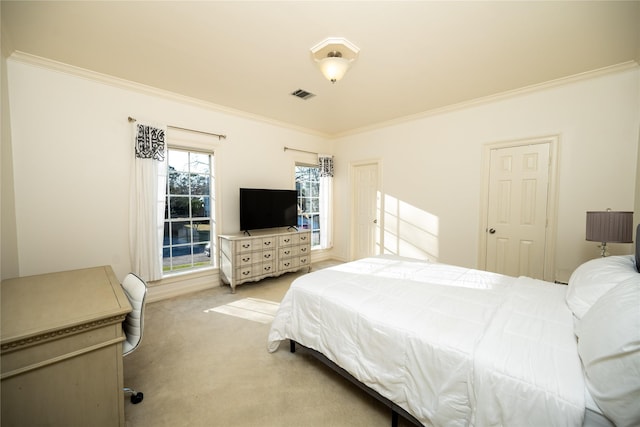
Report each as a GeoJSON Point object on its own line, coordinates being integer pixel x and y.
{"type": "Point", "coordinates": [137, 398]}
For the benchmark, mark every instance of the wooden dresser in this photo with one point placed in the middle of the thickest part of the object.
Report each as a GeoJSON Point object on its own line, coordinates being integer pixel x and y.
{"type": "Point", "coordinates": [61, 346]}
{"type": "Point", "coordinates": [263, 254]}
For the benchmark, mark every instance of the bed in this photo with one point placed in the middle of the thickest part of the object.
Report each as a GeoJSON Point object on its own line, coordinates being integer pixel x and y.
{"type": "Point", "coordinates": [449, 346]}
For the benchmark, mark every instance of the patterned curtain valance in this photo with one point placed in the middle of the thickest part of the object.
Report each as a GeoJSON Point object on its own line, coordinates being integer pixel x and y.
{"type": "Point", "coordinates": [149, 142]}
{"type": "Point", "coordinates": [326, 165]}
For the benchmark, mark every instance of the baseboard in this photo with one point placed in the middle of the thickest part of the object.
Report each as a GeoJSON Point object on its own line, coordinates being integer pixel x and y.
{"type": "Point", "coordinates": [181, 286]}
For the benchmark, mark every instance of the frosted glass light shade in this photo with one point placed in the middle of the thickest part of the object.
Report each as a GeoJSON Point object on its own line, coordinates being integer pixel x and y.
{"type": "Point", "coordinates": [334, 68]}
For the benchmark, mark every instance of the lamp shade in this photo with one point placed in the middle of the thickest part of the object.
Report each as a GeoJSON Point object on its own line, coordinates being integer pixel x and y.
{"type": "Point", "coordinates": [610, 227]}
{"type": "Point", "coordinates": [334, 67]}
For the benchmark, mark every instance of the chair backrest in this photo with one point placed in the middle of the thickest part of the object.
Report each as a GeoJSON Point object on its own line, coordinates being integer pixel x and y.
{"type": "Point", "coordinates": [136, 290]}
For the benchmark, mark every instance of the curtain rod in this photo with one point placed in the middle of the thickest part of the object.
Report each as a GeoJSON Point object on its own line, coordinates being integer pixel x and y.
{"type": "Point", "coordinates": [131, 119]}
{"type": "Point", "coordinates": [302, 151]}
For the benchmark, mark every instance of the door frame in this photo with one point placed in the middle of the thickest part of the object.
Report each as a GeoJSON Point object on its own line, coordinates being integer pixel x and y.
{"type": "Point", "coordinates": [552, 199]}
{"type": "Point", "coordinates": [380, 208]}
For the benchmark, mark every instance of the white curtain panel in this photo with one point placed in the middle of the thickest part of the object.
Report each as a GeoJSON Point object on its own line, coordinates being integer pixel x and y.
{"type": "Point", "coordinates": [326, 200]}
{"type": "Point", "coordinates": [147, 198]}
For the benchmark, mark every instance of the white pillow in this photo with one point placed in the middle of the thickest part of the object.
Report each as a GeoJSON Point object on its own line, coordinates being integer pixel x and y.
{"type": "Point", "coordinates": [594, 278]}
{"type": "Point", "coordinates": [609, 346]}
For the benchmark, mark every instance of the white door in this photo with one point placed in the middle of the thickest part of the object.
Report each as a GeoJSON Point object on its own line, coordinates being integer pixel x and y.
{"type": "Point", "coordinates": [365, 218]}
{"type": "Point", "coordinates": [517, 210]}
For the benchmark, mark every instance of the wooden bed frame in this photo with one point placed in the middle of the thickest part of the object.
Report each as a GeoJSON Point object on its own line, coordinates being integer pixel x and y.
{"type": "Point", "coordinates": [395, 409]}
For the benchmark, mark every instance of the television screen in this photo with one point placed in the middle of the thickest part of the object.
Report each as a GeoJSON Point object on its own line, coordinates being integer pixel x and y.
{"type": "Point", "coordinates": [262, 208]}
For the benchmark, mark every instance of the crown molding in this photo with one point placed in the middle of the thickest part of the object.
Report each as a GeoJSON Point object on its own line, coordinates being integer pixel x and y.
{"type": "Point", "coordinates": [617, 68]}
{"type": "Point", "coordinates": [50, 64]}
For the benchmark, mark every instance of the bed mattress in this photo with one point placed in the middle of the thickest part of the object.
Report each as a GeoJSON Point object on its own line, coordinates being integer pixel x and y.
{"type": "Point", "coordinates": [450, 345]}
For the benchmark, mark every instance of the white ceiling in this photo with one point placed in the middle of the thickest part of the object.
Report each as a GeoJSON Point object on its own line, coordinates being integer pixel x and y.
{"type": "Point", "coordinates": [415, 56]}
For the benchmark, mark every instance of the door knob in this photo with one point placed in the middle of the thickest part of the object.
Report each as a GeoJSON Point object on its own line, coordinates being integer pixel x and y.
{"type": "Point", "coordinates": [492, 230]}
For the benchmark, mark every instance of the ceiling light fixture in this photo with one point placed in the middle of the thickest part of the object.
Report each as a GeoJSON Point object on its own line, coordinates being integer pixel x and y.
{"type": "Point", "coordinates": [334, 57]}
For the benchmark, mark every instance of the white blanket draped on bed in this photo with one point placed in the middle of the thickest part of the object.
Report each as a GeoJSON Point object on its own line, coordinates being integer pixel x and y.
{"type": "Point", "coordinates": [452, 346]}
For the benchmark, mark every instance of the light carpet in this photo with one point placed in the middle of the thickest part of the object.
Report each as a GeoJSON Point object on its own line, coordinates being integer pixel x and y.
{"type": "Point", "coordinates": [201, 368]}
{"type": "Point", "coordinates": [256, 309]}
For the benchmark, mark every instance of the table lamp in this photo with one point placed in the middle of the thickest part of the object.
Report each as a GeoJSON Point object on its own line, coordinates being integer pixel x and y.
{"type": "Point", "coordinates": [609, 227]}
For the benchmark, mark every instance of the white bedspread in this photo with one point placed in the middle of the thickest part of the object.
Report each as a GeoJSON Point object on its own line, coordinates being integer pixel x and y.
{"type": "Point", "coordinates": [452, 346]}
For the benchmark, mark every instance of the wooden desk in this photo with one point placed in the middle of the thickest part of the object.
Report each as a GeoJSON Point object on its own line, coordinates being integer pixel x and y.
{"type": "Point", "coordinates": [61, 349]}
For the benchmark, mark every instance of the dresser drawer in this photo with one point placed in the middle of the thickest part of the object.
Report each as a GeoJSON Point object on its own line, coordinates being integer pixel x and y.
{"type": "Point", "coordinates": [288, 240]}
{"type": "Point", "coordinates": [288, 252]}
{"type": "Point", "coordinates": [286, 264]}
{"type": "Point", "coordinates": [268, 267]}
{"type": "Point", "coordinates": [249, 258]}
{"type": "Point", "coordinates": [304, 261]}
{"type": "Point", "coordinates": [248, 245]}
{"type": "Point", "coordinates": [247, 272]}
{"type": "Point", "coordinates": [305, 238]}
{"type": "Point", "coordinates": [268, 255]}
{"type": "Point", "coordinates": [268, 243]}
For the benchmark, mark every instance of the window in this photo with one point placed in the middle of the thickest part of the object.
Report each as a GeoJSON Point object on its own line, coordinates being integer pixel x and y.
{"type": "Point", "coordinates": [188, 212]}
{"type": "Point", "coordinates": [308, 187]}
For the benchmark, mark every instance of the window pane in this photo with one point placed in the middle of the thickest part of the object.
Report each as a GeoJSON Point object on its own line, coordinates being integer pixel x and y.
{"type": "Point", "coordinates": [180, 232]}
{"type": "Point", "coordinates": [315, 221]}
{"type": "Point", "coordinates": [200, 163]}
{"type": "Point", "coordinates": [166, 238]}
{"type": "Point", "coordinates": [179, 206]}
{"type": "Point", "coordinates": [201, 231]}
{"type": "Point", "coordinates": [178, 161]}
{"type": "Point", "coordinates": [178, 183]}
{"type": "Point", "coordinates": [199, 184]}
{"type": "Point", "coordinates": [197, 207]}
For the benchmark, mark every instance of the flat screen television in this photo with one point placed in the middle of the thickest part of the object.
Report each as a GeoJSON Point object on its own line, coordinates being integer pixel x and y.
{"type": "Point", "coordinates": [262, 208]}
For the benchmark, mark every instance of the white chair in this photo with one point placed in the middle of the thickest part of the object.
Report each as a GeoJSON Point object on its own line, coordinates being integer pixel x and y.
{"type": "Point", "coordinates": [136, 290]}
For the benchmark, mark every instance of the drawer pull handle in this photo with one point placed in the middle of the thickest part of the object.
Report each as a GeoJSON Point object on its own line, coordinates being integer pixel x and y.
{"type": "Point", "coordinates": [246, 259]}
{"type": "Point", "coordinates": [246, 245]}
{"type": "Point", "coordinates": [287, 264]}
{"type": "Point", "coordinates": [267, 256]}
{"type": "Point", "coordinates": [246, 273]}
{"type": "Point", "coordinates": [303, 249]}
{"type": "Point", "coordinates": [267, 268]}
{"type": "Point", "coordinates": [267, 243]}
{"type": "Point", "coordinates": [287, 240]}
{"type": "Point", "coordinates": [287, 252]}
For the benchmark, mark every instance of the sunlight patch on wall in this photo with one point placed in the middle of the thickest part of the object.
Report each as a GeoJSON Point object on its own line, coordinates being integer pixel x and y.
{"type": "Point", "coordinates": [410, 231]}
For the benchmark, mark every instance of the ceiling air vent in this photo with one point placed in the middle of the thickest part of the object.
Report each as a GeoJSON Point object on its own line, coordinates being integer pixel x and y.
{"type": "Point", "coordinates": [302, 94]}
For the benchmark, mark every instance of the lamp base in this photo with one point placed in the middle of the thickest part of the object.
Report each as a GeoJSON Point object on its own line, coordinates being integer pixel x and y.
{"type": "Point", "coordinates": [603, 249]}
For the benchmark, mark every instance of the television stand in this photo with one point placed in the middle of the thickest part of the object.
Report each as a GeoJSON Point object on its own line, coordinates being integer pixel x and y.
{"type": "Point", "coordinates": [266, 253]}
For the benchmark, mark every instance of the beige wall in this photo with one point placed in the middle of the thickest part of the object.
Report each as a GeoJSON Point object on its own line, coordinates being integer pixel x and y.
{"type": "Point", "coordinates": [71, 159]}
{"type": "Point", "coordinates": [637, 204]}
{"type": "Point", "coordinates": [432, 166]}
{"type": "Point", "coordinates": [72, 151]}
{"type": "Point", "coordinates": [8, 231]}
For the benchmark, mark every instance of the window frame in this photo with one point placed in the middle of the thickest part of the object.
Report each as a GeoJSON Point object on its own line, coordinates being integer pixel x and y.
{"type": "Point", "coordinates": [314, 221]}
{"type": "Point", "coordinates": [211, 218]}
